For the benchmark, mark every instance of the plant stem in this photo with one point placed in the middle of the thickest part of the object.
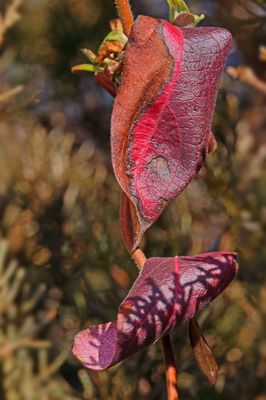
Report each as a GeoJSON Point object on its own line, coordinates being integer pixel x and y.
{"type": "Point", "coordinates": [139, 258]}
{"type": "Point", "coordinates": [125, 14]}
{"type": "Point", "coordinates": [248, 76]}
{"type": "Point", "coordinates": [170, 368]}
{"type": "Point", "coordinates": [166, 345]}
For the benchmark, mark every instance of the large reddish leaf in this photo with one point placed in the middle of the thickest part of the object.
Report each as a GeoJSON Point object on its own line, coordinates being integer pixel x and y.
{"type": "Point", "coordinates": [167, 292]}
{"type": "Point", "coordinates": [162, 114]}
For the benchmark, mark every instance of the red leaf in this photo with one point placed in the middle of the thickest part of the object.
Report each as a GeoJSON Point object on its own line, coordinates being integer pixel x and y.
{"type": "Point", "coordinates": [202, 352]}
{"type": "Point", "coordinates": [162, 114]}
{"type": "Point", "coordinates": [167, 292]}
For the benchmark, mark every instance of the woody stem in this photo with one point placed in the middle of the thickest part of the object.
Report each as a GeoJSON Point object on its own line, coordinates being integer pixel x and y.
{"type": "Point", "coordinates": [170, 368]}
{"type": "Point", "coordinates": [125, 14]}
{"type": "Point", "coordinates": [139, 258]}
{"type": "Point", "coordinates": [166, 345]}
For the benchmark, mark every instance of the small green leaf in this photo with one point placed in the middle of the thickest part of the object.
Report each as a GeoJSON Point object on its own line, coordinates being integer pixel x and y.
{"type": "Point", "coordinates": [178, 5]}
{"type": "Point", "coordinates": [187, 19]}
{"type": "Point", "coordinates": [89, 54]}
{"type": "Point", "coordinates": [115, 36]}
{"type": "Point", "coordinates": [198, 18]}
{"type": "Point", "coordinates": [177, 8]}
{"type": "Point", "coordinates": [86, 67]}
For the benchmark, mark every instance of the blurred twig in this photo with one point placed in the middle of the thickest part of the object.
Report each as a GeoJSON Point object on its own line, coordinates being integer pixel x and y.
{"type": "Point", "coordinates": [29, 343]}
{"type": "Point", "coordinates": [246, 7]}
{"type": "Point", "coordinates": [248, 76]}
{"type": "Point", "coordinates": [9, 94]}
{"type": "Point", "coordinates": [10, 17]}
{"type": "Point", "coordinates": [262, 53]}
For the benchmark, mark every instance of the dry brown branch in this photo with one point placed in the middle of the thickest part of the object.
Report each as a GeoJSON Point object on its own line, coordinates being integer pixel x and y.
{"type": "Point", "coordinates": [248, 76]}
{"type": "Point", "coordinates": [262, 53]}
{"type": "Point", "coordinates": [10, 17]}
{"type": "Point", "coordinates": [9, 94]}
{"type": "Point", "coordinates": [29, 343]}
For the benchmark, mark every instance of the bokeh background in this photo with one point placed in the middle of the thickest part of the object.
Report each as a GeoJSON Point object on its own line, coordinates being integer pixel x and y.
{"type": "Point", "coordinates": [62, 263]}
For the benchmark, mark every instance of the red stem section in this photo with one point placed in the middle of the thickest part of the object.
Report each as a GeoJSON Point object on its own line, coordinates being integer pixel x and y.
{"type": "Point", "coordinates": [139, 258]}
{"type": "Point", "coordinates": [170, 368]}
{"type": "Point", "coordinates": [166, 345]}
{"type": "Point", "coordinates": [125, 14]}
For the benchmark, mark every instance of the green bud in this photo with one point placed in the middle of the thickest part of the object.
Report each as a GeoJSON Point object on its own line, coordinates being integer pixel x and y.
{"type": "Point", "coordinates": [177, 8]}
{"type": "Point", "coordinates": [86, 67]}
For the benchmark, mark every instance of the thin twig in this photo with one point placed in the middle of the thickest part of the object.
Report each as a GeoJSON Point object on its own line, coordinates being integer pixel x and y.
{"type": "Point", "coordinates": [9, 94]}
{"type": "Point", "coordinates": [52, 368]}
{"type": "Point", "coordinates": [170, 368]}
{"type": "Point", "coordinates": [139, 258]}
{"type": "Point", "coordinates": [125, 14]}
{"type": "Point", "coordinates": [248, 76]}
{"type": "Point", "coordinates": [29, 343]}
{"type": "Point", "coordinates": [10, 18]}
{"type": "Point", "coordinates": [166, 345]}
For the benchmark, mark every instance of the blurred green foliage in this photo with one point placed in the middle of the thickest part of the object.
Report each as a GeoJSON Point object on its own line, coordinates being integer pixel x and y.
{"type": "Point", "coordinates": [62, 263]}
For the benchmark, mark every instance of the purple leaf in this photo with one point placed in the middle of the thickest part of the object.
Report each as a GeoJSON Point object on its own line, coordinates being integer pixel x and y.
{"type": "Point", "coordinates": [167, 292]}
{"type": "Point", "coordinates": [161, 121]}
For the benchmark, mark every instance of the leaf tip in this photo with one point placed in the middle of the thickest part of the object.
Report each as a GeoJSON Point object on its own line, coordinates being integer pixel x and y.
{"type": "Point", "coordinates": [84, 67]}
